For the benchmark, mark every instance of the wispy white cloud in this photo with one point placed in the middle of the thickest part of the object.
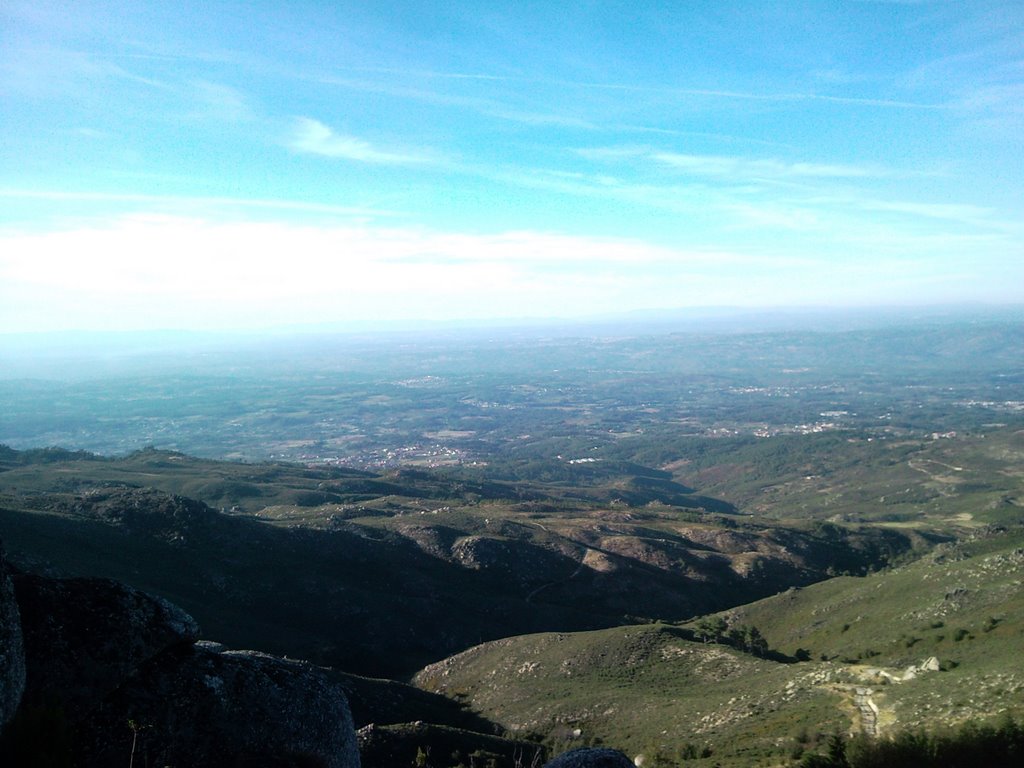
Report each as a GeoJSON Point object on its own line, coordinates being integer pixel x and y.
{"type": "Point", "coordinates": [432, 73]}
{"type": "Point", "coordinates": [639, 88]}
{"type": "Point", "coordinates": [43, 70]}
{"type": "Point", "coordinates": [222, 102]}
{"type": "Point", "coordinates": [191, 203]}
{"type": "Point", "coordinates": [614, 154]}
{"type": "Point", "coordinates": [814, 206]}
{"type": "Point", "coordinates": [838, 76]}
{"type": "Point", "coordinates": [737, 167]}
{"type": "Point", "coordinates": [54, 72]}
{"type": "Point", "coordinates": [486, 106]}
{"type": "Point", "coordinates": [539, 118]}
{"type": "Point", "coordinates": [91, 133]}
{"type": "Point", "coordinates": [778, 97]}
{"type": "Point", "coordinates": [1006, 97]}
{"type": "Point", "coordinates": [514, 98]}
{"type": "Point", "coordinates": [962, 213]}
{"type": "Point", "coordinates": [776, 216]}
{"type": "Point", "coordinates": [722, 165]}
{"type": "Point", "coordinates": [310, 136]}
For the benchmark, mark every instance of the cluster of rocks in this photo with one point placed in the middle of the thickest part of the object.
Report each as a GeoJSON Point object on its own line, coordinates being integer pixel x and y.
{"type": "Point", "coordinates": [931, 664]}
{"type": "Point", "coordinates": [96, 673]}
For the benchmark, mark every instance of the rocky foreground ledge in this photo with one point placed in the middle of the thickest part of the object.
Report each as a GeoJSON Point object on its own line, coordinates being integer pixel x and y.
{"type": "Point", "coordinates": [94, 673]}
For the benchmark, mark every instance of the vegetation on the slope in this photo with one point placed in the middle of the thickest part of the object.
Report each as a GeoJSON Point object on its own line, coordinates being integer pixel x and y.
{"type": "Point", "coordinates": [970, 746]}
{"type": "Point", "coordinates": [937, 643]}
{"type": "Point", "coordinates": [962, 604]}
{"type": "Point", "coordinates": [653, 690]}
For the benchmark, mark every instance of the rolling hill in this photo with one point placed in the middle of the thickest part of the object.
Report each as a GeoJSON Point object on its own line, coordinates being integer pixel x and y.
{"type": "Point", "coordinates": [929, 644]}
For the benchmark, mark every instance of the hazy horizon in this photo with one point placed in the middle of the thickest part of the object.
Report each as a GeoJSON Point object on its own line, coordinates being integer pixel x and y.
{"type": "Point", "coordinates": [246, 166]}
{"type": "Point", "coordinates": [699, 319]}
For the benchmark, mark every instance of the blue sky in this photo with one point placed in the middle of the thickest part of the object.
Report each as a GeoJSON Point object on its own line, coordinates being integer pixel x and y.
{"type": "Point", "coordinates": [252, 164]}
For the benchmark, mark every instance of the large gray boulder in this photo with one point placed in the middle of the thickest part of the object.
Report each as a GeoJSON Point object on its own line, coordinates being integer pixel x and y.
{"type": "Point", "coordinates": [12, 654]}
{"type": "Point", "coordinates": [121, 672]}
{"type": "Point", "coordinates": [203, 706]}
{"type": "Point", "coordinates": [84, 637]}
{"type": "Point", "coordinates": [591, 758]}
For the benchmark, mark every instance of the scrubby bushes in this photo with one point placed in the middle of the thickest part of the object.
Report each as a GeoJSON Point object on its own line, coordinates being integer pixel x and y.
{"type": "Point", "coordinates": [971, 746]}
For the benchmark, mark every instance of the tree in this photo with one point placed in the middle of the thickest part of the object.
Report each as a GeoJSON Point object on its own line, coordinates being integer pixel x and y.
{"type": "Point", "coordinates": [712, 629]}
{"type": "Point", "coordinates": [738, 637]}
{"type": "Point", "coordinates": [756, 642]}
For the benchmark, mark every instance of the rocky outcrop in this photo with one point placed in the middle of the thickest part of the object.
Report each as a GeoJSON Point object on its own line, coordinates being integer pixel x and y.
{"type": "Point", "coordinates": [119, 676]}
{"type": "Point", "coordinates": [143, 511]}
{"type": "Point", "coordinates": [931, 664]}
{"type": "Point", "coordinates": [591, 758]}
{"type": "Point", "coordinates": [12, 656]}
{"type": "Point", "coordinates": [204, 706]}
{"type": "Point", "coordinates": [84, 637]}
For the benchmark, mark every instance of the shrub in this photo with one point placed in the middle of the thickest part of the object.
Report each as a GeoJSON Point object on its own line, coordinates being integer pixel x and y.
{"type": "Point", "coordinates": [971, 746]}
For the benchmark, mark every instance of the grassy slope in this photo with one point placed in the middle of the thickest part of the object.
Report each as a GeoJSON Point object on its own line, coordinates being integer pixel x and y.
{"type": "Point", "coordinates": [971, 479]}
{"type": "Point", "coordinates": [963, 604]}
{"type": "Point", "coordinates": [648, 689]}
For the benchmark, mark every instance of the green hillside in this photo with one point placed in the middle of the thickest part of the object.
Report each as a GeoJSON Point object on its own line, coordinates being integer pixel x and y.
{"type": "Point", "coordinates": [951, 480]}
{"type": "Point", "coordinates": [647, 690]}
{"type": "Point", "coordinates": [962, 604]}
{"type": "Point", "coordinates": [658, 690]}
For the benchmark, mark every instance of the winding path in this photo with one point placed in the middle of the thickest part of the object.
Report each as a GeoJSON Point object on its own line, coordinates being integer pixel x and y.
{"type": "Point", "coordinates": [868, 711]}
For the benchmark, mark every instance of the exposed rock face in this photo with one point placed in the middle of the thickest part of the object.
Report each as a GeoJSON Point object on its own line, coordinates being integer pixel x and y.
{"type": "Point", "coordinates": [144, 510]}
{"type": "Point", "coordinates": [931, 664]}
{"type": "Point", "coordinates": [119, 673]}
{"type": "Point", "coordinates": [84, 637]}
{"type": "Point", "coordinates": [591, 758]}
{"type": "Point", "coordinates": [12, 657]}
{"type": "Point", "coordinates": [512, 560]}
{"type": "Point", "coordinates": [200, 705]}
